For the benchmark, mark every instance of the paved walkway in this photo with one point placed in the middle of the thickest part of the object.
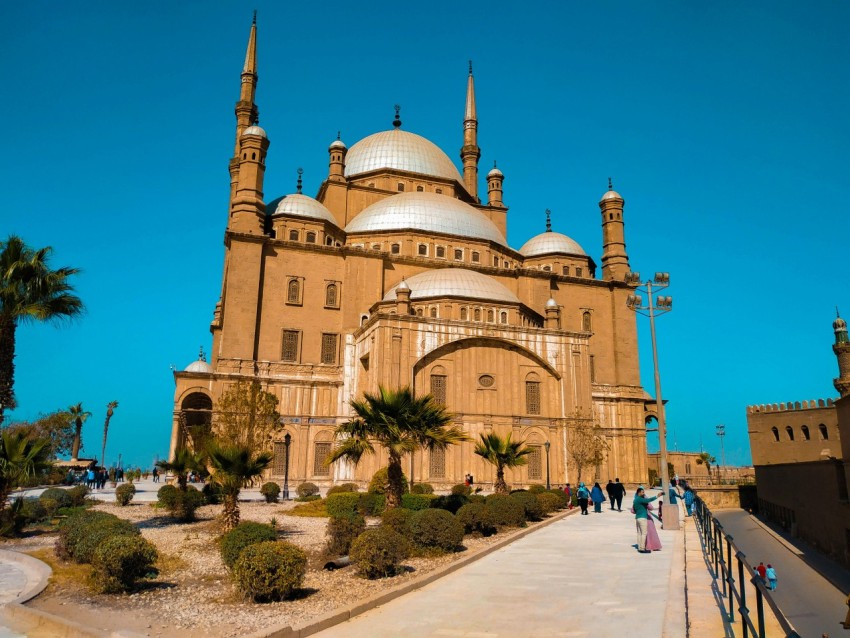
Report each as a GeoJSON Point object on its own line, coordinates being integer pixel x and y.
{"type": "Point", "coordinates": [580, 576]}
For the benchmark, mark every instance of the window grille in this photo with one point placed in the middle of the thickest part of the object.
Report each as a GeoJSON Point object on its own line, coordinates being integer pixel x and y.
{"type": "Point", "coordinates": [311, 238]}
{"type": "Point", "coordinates": [437, 465]}
{"type": "Point", "coordinates": [289, 351]}
{"type": "Point", "coordinates": [586, 322]}
{"type": "Point", "coordinates": [293, 294]}
{"type": "Point", "coordinates": [293, 235]}
{"type": "Point", "coordinates": [477, 314]}
{"type": "Point", "coordinates": [331, 296]}
{"type": "Point", "coordinates": [579, 272]}
{"type": "Point", "coordinates": [279, 465]}
{"type": "Point", "coordinates": [458, 254]}
{"type": "Point", "coordinates": [438, 388]}
{"type": "Point", "coordinates": [532, 397]}
{"type": "Point", "coordinates": [476, 257]}
{"type": "Point", "coordinates": [329, 348]}
{"type": "Point", "coordinates": [320, 468]}
{"type": "Point", "coordinates": [535, 463]}
{"type": "Point", "coordinates": [491, 316]}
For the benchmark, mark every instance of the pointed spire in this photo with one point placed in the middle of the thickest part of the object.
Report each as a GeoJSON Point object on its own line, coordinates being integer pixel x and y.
{"type": "Point", "coordinates": [469, 152]}
{"type": "Point", "coordinates": [470, 113]}
{"type": "Point", "coordinates": [548, 221]}
{"type": "Point", "coordinates": [251, 53]}
{"type": "Point", "coordinates": [397, 120]}
{"type": "Point", "coordinates": [298, 184]}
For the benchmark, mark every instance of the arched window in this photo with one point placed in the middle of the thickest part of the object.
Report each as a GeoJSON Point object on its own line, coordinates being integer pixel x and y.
{"type": "Point", "coordinates": [477, 314]}
{"type": "Point", "coordinates": [419, 189]}
{"type": "Point", "coordinates": [578, 272]}
{"type": "Point", "coordinates": [775, 434]}
{"type": "Point", "coordinates": [476, 257]}
{"type": "Point", "coordinates": [311, 237]}
{"type": "Point", "coordinates": [433, 312]}
{"type": "Point", "coordinates": [824, 433]}
{"type": "Point", "coordinates": [330, 241]}
{"type": "Point", "coordinates": [790, 432]}
{"type": "Point", "coordinates": [437, 464]}
{"type": "Point", "coordinates": [805, 430]}
{"type": "Point", "coordinates": [293, 291]}
{"type": "Point", "coordinates": [419, 312]}
{"type": "Point", "coordinates": [464, 314]}
{"type": "Point", "coordinates": [491, 317]}
{"type": "Point", "coordinates": [458, 254]}
{"type": "Point", "coordinates": [441, 252]}
{"type": "Point", "coordinates": [395, 249]}
{"type": "Point", "coordinates": [535, 463]}
{"type": "Point", "coordinates": [293, 235]}
{"type": "Point", "coordinates": [586, 324]}
{"type": "Point", "coordinates": [532, 394]}
{"type": "Point", "coordinates": [503, 317]}
{"type": "Point", "coordinates": [423, 250]}
{"type": "Point", "coordinates": [400, 187]}
{"type": "Point", "coordinates": [332, 296]}
{"type": "Point", "coordinates": [566, 270]}
{"type": "Point", "coordinates": [438, 385]}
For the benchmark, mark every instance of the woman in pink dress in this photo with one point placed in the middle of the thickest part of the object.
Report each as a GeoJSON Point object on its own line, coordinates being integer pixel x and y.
{"type": "Point", "coordinates": [653, 542]}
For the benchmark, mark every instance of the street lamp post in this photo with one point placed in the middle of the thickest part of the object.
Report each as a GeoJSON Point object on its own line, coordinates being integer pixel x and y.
{"type": "Point", "coordinates": [547, 445]}
{"type": "Point", "coordinates": [287, 440]}
{"type": "Point", "coordinates": [658, 305]}
{"type": "Point", "coordinates": [721, 432]}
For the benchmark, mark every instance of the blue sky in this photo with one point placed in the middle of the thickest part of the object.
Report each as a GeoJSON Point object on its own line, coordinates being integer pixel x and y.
{"type": "Point", "coordinates": [724, 126]}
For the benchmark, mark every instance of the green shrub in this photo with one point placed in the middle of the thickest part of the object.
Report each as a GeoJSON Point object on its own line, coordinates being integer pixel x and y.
{"type": "Point", "coordinates": [437, 529]}
{"type": "Point", "coordinates": [244, 534]}
{"type": "Point", "coordinates": [119, 561]}
{"type": "Point", "coordinates": [307, 499]}
{"type": "Point", "coordinates": [561, 495]}
{"type": "Point", "coordinates": [74, 527]}
{"type": "Point", "coordinates": [378, 484]}
{"type": "Point", "coordinates": [422, 488]}
{"type": "Point", "coordinates": [124, 493]}
{"type": "Point", "coordinates": [533, 509]}
{"type": "Point", "coordinates": [462, 489]}
{"type": "Point", "coordinates": [61, 497]}
{"type": "Point", "coordinates": [450, 502]}
{"type": "Point", "coordinates": [181, 505]}
{"type": "Point", "coordinates": [343, 487]}
{"type": "Point", "coordinates": [33, 510]}
{"type": "Point", "coordinates": [81, 533]}
{"type": "Point", "coordinates": [506, 510]}
{"type": "Point", "coordinates": [476, 517]}
{"type": "Point", "coordinates": [271, 492]}
{"type": "Point", "coordinates": [12, 519]}
{"type": "Point", "coordinates": [167, 495]}
{"type": "Point", "coordinates": [536, 488]}
{"type": "Point", "coordinates": [371, 504]}
{"type": "Point", "coordinates": [270, 571]}
{"type": "Point", "coordinates": [416, 501]}
{"type": "Point", "coordinates": [78, 495]}
{"type": "Point", "coordinates": [548, 502]}
{"type": "Point", "coordinates": [476, 498]}
{"type": "Point", "coordinates": [398, 518]}
{"type": "Point", "coordinates": [378, 552]}
{"type": "Point", "coordinates": [211, 491]}
{"type": "Point", "coordinates": [51, 507]}
{"type": "Point", "coordinates": [307, 489]}
{"type": "Point", "coordinates": [342, 505]}
{"type": "Point", "coordinates": [341, 531]}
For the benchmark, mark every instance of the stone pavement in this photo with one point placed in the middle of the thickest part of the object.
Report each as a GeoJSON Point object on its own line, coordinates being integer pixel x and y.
{"type": "Point", "coordinates": [580, 576]}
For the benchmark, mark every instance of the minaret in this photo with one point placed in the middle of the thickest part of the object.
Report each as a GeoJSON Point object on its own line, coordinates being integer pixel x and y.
{"type": "Point", "coordinates": [841, 348]}
{"type": "Point", "coordinates": [247, 211]}
{"type": "Point", "coordinates": [246, 109]}
{"type": "Point", "coordinates": [337, 151]}
{"type": "Point", "coordinates": [470, 152]}
{"type": "Point", "coordinates": [495, 178]}
{"type": "Point", "coordinates": [615, 261]}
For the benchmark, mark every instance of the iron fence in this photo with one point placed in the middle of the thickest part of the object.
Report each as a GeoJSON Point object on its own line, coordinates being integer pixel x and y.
{"type": "Point", "coordinates": [719, 549]}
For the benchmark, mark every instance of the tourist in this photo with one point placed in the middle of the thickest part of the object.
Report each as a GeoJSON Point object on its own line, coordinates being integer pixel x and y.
{"type": "Point", "coordinates": [610, 490]}
{"type": "Point", "coordinates": [653, 542]}
{"type": "Point", "coordinates": [90, 478]}
{"type": "Point", "coordinates": [569, 492]}
{"type": "Point", "coordinates": [639, 506]}
{"type": "Point", "coordinates": [582, 495]}
{"type": "Point", "coordinates": [762, 571]}
{"type": "Point", "coordinates": [597, 497]}
{"type": "Point", "coordinates": [770, 572]}
{"type": "Point", "coordinates": [619, 493]}
{"type": "Point", "coordinates": [689, 499]}
{"type": "Point", "coordinates": [155, 475]}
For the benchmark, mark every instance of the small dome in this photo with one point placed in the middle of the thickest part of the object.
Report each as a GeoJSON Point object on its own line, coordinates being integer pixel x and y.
{"type": "Point", "coordinates": [400, 150]}
{"type": "Point", "coordinates": [552, 303]}
{"type": "Point", "coordinates": [254, 130]}
{"type": "Point", "coordinates": [337, 144]}
{"type": "Point", "coordinates": [302, 206]}
{"type": "Point", "coordinates": [551, 243]}
{"type": "Point", "coordinates": [495, 172]}
{"type": "Point", "coordinates": [611, 194]}
{"type": "Point", "coordinates": [427, 212]}
{"type": "Point", "coordinates": [839, 324]}
{"type": "Point", "coordinates": [402, 286]}
{"type": "Point", "coordinates": [199, 366]}
{"type": "Point", "coordinates": [455, 282]}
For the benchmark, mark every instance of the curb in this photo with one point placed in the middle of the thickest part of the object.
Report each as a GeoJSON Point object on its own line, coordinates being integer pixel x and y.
{"type": "Point", "coordinates": [337, 616]}
{"type": "Point", "coordinates": [31, 567]}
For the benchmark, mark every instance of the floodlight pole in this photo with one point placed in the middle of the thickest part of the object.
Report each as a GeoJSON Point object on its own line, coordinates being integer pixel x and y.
{"type": "Point", "coordinates": [287, 441]}
{"type": "Point", "coordinates": [547, 445]}
{"type": "Point", "coordinates": [721, 432]}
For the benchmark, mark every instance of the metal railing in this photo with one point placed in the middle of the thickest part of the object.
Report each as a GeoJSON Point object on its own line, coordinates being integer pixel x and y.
{"type": "Point", "coordinates": [719, 549]}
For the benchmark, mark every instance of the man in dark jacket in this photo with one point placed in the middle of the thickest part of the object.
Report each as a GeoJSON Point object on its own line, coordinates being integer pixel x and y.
{"type": "Point", "coordinates": [619, 492]}
{"type": "Point", "coordinates": [610, 490]}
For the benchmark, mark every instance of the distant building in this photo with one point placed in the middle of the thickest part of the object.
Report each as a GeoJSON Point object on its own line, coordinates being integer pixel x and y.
{"type": "Point", "coordinates": [801, 451]}
{"type": "Point", "coordinates": [686, 467]}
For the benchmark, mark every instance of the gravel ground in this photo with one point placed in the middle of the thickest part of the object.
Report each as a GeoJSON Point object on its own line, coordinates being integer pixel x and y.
{"type": "Point", "coordinates": [193, 597]}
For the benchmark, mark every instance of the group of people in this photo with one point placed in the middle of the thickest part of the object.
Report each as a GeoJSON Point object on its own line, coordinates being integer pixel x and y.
{"type": "Point", "coordinates": [767, 575]}
{"type": "Point", "coordinates": [584, 496]}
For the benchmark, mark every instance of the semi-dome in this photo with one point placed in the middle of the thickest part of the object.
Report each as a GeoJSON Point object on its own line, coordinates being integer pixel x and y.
{"type": "Point", "coordinates": [551, 243]}
{"type": "Point", "coordinates": [455, 282]}
{"type": "Point", "coordinates": [302, 206]}
{"type": "Point", "coordinates": [254, 130]}
{"type": "Point", "coordinates": [400, 150]}
{"type": "Point", "coordinates": [428, 212]}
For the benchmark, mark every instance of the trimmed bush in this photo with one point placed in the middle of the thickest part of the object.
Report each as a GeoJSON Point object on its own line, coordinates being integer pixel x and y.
{"type": "Point", "coordinates": [343, 487]}
{"type": "Point", "coordinates": [78, 495]}
{"type": "Point", "coordinates": [476, 517]}
{"type": "Point", "coordinates": [119, 561]}
{"type": "Point", "coordinates": [505, 510]}
{"type": "Point", "coordinates": [124, 493]}
{"type": "Point", "coordinates": [245, 534]}
{"type": "Point", "coordinates": [378, 552]}
{"type": "Point", "coordinates": [307, 499]}
{"type": "Point", "coordinates": [342, 505]}
{"type": "Point", "coordinates": [476, 498]}
{"type": "Point", "coordinates": [341, 532]}
{"type": "Point", "coordinates": [416, 501]}
{"type": "Point", "coordinates": [181, 505]}
{"type": "Point", "coordinates": [271, 492]}
{"type": "Point", "coordinates": [370, 504]}
{"type": "Point", "coordinates": [398, 518]}
{"type": "Point", "coordinates": [548, 502]}
{"type": "Point", "coordinates": [81, 534]}
{"type": "Point", "coordinates": [307, 489]}
{"type": "Point", "coordinates": [437, 529]}
{"type": "Point", "coordinates": [462, 489]}
{"type": "Point", "coordinates": [60, 497]}
{"type": "Point", "coordinates": [12, 520]}
{"type": "Point", "coordinates": [378, 484]}
{"type": "Point", "coordinates": [536, 488]}
{"type": "Point", "coordinates": [211, 492]}
{"type": "Point", "coordinates": [422, 488]}
{"type": "Point", "coordinates": [167, 495]}
{"type": "Point", "coordinates": [561, 495]}
{"type": "Point", "coordinates": [270, 571]}
{"type": "Point", "coordinates": [533, 510]}
{"type": "Point", "coordinates": [74, 527]}
{"type": "Point", "coordinates": [450, 502]}
{"type": "Point", "coordinates": [33, 510]}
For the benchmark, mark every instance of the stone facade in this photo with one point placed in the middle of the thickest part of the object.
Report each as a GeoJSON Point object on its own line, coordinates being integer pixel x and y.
{"type": "Point", "coordinates": [397, 274]}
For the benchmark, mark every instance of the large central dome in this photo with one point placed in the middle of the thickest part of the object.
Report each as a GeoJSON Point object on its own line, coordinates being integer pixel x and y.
{"type": "Point", "coordinates": [428, 212]}
{"type": "Point", "coordinates": [402, 151]}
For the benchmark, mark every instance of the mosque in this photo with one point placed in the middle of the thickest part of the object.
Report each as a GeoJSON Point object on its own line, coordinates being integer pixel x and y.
{"type": "Point", "coordinates": [398, 273]}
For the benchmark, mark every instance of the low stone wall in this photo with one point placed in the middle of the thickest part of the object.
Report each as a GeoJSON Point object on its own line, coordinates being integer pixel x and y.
{"type": "Point", "coordinates": [720, 496]}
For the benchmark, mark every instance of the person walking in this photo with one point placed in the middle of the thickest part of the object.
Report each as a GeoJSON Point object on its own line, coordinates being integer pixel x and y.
{"type": "Point", "coordinates": [770, 572]}
{"type": "Point", "coordinates": [689, 499]}
{"type": "Point", "coordinates": [597, 497]}
{"type": "Point", "coordinates": [610, 490]}
{"type": "Point", "coordinates": [639, 506]}
{"type": "Point", "coordinates": [762, 570]}
{"type": "Point", "coordinates": [569, 492]}
{"type": "Point", "coordinates": [619, 493]}
{"type": "Point", "coordinates": [653, 541]}
{"type": "Point", "coordinates": [582, 495]}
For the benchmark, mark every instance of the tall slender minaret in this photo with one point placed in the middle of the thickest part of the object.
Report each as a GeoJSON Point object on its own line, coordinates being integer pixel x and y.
{"type": "Point", "coordinates": [246, 109]}
{"type": "Point", "coordinates": [841, 348]}
{"type": "Point", "coordinates": [470, 152]}
{"type": "Point", "coordinates": [615, 261]}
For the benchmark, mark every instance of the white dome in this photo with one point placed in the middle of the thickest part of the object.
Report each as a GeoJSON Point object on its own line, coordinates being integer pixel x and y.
{"type": "Point", "coordinates": [336, 144]}
{"type": "Point", "coordinates": [611, 194]}
{"type": "Point", "coordinates": [254, 130]}
{"type": "Point", "coordinates": [551, 303]}
{"type": "Point", "coordinates": [401, 150]}
{"type": "Point", "coordinates": [455, 282]}
{"type": "Point", "coordinates": [302, 206]}
{"type": "Point", "coordinates": [549, 243]}
{"type": "Point", "coordinates": [428, 212]}
{"type": "Point", "coordinates": [495, 172]}
{"type": "Point", "coordinates": [199, 366]}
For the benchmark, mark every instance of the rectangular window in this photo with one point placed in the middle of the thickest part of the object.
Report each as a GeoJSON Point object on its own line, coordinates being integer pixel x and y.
{"type": "Point", "coordinates": [289, 350]}
{"type": "Point", "coordinates": [535, 463]}
{"type": "Point", "coordinates": [441, 252]}
{"type": "Point", "coordinates": [423, 250]}
{"type": "Point", "coordinates": [566, 270]}
{"type": "Point", "coordinates": [458, 254]}
{"type": "Point", "coordinates": [476, 257]}
{"type": "Point", "coordinates": [496, 260]}
{"type": "Point", "coordinates": [437, 465]}
{"type": "Point", "coordinates": [279, 464]}
{"type": "Point", "coordinates": [438, 388]}
{"type": "Point", "coordinates": [329, 348]}
{"type": "Point", "coordinates": [320, 468]}
{"type": "Point", "coordinates": [592, 369]}
{"type": "Point", "coordinates": [578, 272]}
{"type": "Point", "coordinates": [532, 397]}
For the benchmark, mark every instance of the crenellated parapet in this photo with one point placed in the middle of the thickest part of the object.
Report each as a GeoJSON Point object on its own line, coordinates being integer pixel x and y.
{"type": "Point", "coordinates": [790, 406]}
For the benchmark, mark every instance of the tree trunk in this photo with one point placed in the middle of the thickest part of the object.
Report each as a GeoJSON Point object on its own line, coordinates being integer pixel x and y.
{"type": "Point", "coordinates": [394, 482]}
{"type": "Point", "coordinates": [7, 364]}
{"type": "Point", "coordinates": [75, 448]}
{"type": "Point", "coordinates": [230, 516]}
{"type": "Point", "coordinates": [500, 487]}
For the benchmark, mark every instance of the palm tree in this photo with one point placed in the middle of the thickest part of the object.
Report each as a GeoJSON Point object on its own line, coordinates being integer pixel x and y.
{"type": "Point", "coordinates": [502, 453]}
{"type": "Point", "coordinates": [79, 416]}
{"type": "Point", "coordinates": [20, 458]}
{"type": "Point", "coordinates": [183, 462]}
{"type": "Point", "coordinates": [400, 423]}
{"type": "Point", "coordinates": [29, 291]}
{"type": "Point", "coordinates": [707, 459]}
{"type": "Point", "coordinates": [233, 468]}
{"type": "Point", "coordinates": [110, 408]}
